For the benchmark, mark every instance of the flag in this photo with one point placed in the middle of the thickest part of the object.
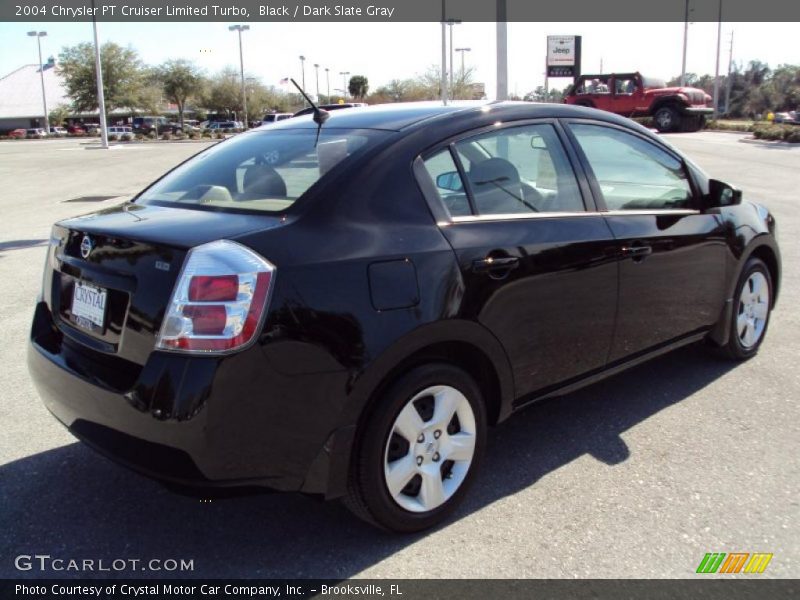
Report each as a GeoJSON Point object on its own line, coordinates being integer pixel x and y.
{"type": "Point", "coordinates": [284, 81]}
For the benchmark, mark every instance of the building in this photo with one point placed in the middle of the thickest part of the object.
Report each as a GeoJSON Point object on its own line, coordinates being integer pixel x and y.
{"type": "Point", "coordinates": [21, 96]}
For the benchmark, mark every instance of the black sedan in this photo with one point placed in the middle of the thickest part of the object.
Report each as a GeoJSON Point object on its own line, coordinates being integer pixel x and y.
{"type": "Point", "coordinates": [343, 307]}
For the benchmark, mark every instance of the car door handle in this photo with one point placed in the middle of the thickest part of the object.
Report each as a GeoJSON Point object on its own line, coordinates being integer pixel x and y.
{"type": "Point", "coordinates": [495, 263]}
{"type": "Point", "coordinates": [637, 253]}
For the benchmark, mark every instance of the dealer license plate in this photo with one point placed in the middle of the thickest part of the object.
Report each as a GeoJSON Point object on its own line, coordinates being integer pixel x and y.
{"type": "Point", "coordinates": [89, 305]}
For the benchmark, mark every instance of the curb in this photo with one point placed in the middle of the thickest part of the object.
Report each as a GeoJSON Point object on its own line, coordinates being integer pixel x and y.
{"type": "Point", "coordinates": [752, 140]}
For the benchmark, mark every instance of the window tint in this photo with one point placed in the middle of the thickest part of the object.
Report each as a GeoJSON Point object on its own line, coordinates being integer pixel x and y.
{"type": "Point", "coordinates": [633, 174]}
{"type": "Point", "coordinates": [442, 170]}
{"type": "Point", "coordinates": [520, 170]}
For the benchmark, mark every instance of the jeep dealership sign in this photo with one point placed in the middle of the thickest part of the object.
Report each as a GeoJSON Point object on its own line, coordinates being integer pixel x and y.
{"type": "Point", "coordinates": [563, 55]}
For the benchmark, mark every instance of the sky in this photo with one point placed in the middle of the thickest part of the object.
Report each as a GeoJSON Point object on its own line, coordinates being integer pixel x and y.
{"type": "Point", "coordinates": [386, 51]}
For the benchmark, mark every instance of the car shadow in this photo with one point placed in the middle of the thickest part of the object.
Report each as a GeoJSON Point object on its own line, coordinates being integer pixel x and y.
{"type": "Point", "coordinates": [21, 244]}
{"type": "Point", "coordinates": [70, 503]}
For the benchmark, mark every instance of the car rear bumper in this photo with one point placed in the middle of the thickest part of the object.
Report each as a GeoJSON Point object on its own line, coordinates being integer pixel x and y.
{"type": "Point", "coordinates": [195, 421]}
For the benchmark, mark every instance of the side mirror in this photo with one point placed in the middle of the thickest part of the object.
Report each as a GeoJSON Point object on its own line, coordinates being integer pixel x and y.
{"type": "Point", "coordinates": [722, 194]}
{"type": "Point", "coordinates": [450, 181]}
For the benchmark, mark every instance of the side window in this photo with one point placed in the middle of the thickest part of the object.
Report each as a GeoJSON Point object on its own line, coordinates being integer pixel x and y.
{"type": "Point", "coordinates": [632, 173]}
{"type": "Point", "coordinates": [520, 170]}
{"type": "Point", "coordinates": [444, 173]}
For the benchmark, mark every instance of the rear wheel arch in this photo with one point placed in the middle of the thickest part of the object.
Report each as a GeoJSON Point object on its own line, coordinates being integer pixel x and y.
{"type": "Point", "coordinates": [463, 344]}
{"type": "Point", "coordinates": [768, 256]}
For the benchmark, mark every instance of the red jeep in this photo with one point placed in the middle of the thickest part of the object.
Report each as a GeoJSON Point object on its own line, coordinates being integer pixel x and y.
{"type": "Point", "coordinates": [633, 95]}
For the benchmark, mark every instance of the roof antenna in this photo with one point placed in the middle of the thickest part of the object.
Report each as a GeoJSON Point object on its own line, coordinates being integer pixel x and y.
{"type": "Point", "coordinates": [320, 115]}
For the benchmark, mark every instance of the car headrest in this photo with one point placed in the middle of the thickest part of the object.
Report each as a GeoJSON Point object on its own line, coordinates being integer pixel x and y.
{"type": "Point", "coordinates": [497, 186]}
{"type": "Point", "coordinates": [263, 181]}
{"type": "Point", "coordinates": [494, 171]}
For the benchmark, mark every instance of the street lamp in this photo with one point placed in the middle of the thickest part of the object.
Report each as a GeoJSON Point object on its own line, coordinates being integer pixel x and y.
{"type": "Point", "coordinates": [39, 35]}
{"type": "Point", "coordinates": [328, 82]}
{"type": "Point", "coordinates": [303, 73]}
{"type": "Point", "coordinates": [344, 75]}
{"type": "Point", "coordinates": [316, 69]}
{"type": "Point", "coordinates": [462, 51]}
{"type": "Point", "coordinates": [450, 23]}
{"type": "Point", "coordinates": [239, 29]}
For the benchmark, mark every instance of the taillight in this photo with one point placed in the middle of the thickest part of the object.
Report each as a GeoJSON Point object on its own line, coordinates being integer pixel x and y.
{"type": "Point", "coordinates": [219, 301]}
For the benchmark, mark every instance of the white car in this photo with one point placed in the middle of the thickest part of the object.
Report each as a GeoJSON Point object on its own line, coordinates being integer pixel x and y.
{"type": "Point", "coordinates": [120, 130]}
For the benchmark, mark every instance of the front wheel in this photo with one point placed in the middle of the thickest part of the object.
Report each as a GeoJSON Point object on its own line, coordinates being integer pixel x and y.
{"type": "Point", "coordinates": [666, 119]}
{"type": "Point", "coordinates": [752, 307]}
{"type": "Point", "coordinates": [419, 450]}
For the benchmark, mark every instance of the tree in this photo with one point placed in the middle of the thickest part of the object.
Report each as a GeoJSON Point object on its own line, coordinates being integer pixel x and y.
{"type": "Point", "coordinates": [358, 86]}
{"type": "Point", "coordinates": [181, 81]}
{"type": "Point", "coordinates": [122, 76]}
{"type": "Point", "coordinates": [58, 115]}
{"type": "Point", "coordinates": [224, 93]}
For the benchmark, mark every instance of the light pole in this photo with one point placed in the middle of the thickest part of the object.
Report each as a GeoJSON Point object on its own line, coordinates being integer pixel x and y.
{"type": "Point", "coordinates": [450, 23]}
{"type": "Point", "coordinates": [303, 74]}
{"type": "Point", "coordinates": [462, 51]}
{"type": "Point", "coordinates": [316, 70]}
{"type": "Point", "coordinates": [240, 29]}
{"type": "Point", "coordinates": [344, 75]}
{"type": "Point", "coordinates": [328, 82]}
{"type": "Point", "coordinates": [101, 99]}
{"type": "Point", "coordinates": [39, 35]}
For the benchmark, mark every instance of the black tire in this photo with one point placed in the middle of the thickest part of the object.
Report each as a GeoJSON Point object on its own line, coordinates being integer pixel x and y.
{"type": "Point", "coordinates": [368, 495]}
{"type": "Point", "coordinates": [691, 124]}
{"type": "Point", "coordinates": [735, 349]}
{"type": "Point", "coordinates": [666, 119]}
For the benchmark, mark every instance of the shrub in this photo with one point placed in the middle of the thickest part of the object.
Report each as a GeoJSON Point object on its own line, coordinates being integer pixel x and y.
{"type": "Point", "coordinates": [127, 137]}
{"type": "Point", "coordinates": [192, 135]}
{"type": "Point", "coordinates": [139, 136]}
{"type": "Point", "coordinates": [777, 132]}
{"type": "Point", "coordinates": [166, 136]}
{"type": "Point", "coordinates": [152, 135]}
{"type": "Point", "coordinates": [219, 135]}
{"type": "Point", "coordinates": [206, 133]}
{"type": "Point", "coordinates": [793, 136]}
{"type": "Point", "coordinates": [113, 137]}
{"type": "Point", "coordinates": [730, 126]}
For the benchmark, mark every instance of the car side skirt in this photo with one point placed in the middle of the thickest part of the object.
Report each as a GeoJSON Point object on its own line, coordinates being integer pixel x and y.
{"type": "Point", "coordinates": [609, 370]}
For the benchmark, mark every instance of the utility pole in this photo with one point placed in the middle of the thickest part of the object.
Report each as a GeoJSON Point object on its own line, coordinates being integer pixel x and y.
{"type": "Point", "coordinates": [316, 68]}
{"type": "Point", "coordinates": [716, 70]}
{"type": "Point", "coordinates": [328, 81]}
{"type": "Point", "coordinates": [728, 83]}
{"type": "Point", "coordinates": [303, 75]}
{"type": "Point", "coordinates": [685, 42]}
{"type": "Point", "coordinates": [502, 51]}
{"type": "Point", "coordinates": [344, 75]}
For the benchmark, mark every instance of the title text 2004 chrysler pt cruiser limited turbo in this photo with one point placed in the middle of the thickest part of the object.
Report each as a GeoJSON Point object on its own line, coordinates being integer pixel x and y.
{"type": "Point", "coordinates": [343, 307]}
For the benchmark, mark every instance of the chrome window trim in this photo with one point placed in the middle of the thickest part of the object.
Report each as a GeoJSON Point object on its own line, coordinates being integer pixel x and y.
{"type": "Point", "coordinates": [554, 215]}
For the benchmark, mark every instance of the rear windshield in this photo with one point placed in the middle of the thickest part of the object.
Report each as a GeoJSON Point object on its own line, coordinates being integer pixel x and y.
{"type": "Point", "coordinates": [261, 170]}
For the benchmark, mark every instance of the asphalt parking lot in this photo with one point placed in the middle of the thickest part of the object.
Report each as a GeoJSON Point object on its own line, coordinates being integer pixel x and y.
{"type": "Point", "coordinates": [637, 476]}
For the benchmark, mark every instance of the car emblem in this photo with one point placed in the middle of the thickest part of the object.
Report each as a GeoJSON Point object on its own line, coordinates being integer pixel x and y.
{"type": "Point", "coordinates": [86, 246]}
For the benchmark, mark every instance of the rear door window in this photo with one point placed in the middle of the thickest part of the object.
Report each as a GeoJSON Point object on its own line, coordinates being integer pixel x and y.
{"type": "Point", "coordinates": [520, 170]}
